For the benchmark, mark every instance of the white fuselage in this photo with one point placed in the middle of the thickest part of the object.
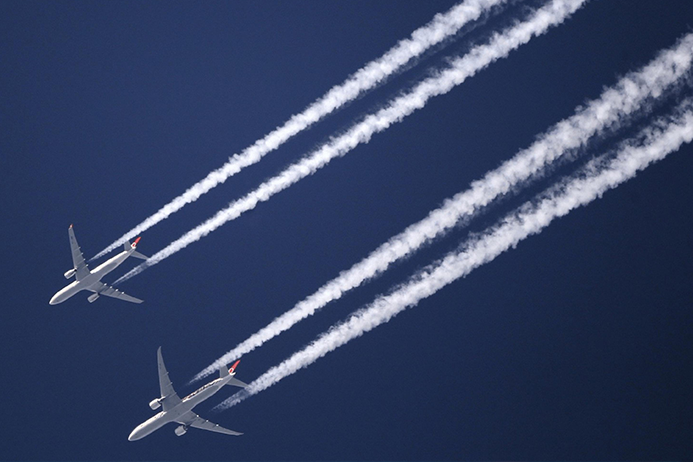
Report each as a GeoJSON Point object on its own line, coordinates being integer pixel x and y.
{"type": "Point", "coordinates": [173, 414]}
{"type": "Point", "coordinates": [92, 279]}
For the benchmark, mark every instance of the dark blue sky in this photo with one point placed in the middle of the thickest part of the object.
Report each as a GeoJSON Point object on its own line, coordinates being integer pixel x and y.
{"type": "Point", "coordinates": [575, 345]}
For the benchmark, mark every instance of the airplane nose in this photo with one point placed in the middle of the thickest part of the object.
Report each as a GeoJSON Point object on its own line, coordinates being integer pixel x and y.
{"type": "Point", "coordinates": [54, 300]}
{"type": "Point", "coordinates": [138, 433]}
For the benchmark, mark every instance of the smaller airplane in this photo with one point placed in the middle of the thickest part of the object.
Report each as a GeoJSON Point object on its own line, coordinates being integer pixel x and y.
{"type": "Point", "coordinates": [180, 410]}
{"type": "Point", "coordinates": [91, 280]}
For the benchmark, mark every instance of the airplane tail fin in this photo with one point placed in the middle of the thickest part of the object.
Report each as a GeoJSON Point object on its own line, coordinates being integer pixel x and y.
{"type": "Point", "coordinates": [232, 370]}
{"type": "Point", "coordinates": [135, 253]}
{"type": "Point", "coordinates": [232, 381]}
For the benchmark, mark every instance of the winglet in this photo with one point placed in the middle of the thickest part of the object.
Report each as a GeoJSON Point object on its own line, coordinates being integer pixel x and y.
{"type": "Point", "coordinates": [134, 244]}
{"type": "Point", "coordinates": [233, 368]}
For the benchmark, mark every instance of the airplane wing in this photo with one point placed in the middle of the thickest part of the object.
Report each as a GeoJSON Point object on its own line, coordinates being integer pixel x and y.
{"type": "Point", "coordinates": [81, 268]}
{"type": "Point", "coordinates": [105, 289]}
{"type": "Point", "coordinates": [191, 419]}
{"type": "Point", "coordinates": [169, 397]}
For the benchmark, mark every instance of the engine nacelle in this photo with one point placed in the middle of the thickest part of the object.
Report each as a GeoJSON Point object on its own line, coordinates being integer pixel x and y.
{"type": "Point", "coordinates": [180, 431]}
{"type": "Point", "coordinates": [92, 298]}
{"type": "Point", "coordinates": [155, 404]}
{"type": "Point", "coordinates": [69, 273]}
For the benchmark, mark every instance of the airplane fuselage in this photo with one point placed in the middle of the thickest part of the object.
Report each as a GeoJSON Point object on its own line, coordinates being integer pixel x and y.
{"type": "Point", "coordinates": [173, 414]}
{"type": "Point", "coordinates": [91, 279]}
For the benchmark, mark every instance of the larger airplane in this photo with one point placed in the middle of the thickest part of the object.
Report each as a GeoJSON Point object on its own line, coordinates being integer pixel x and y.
{"type": "Point", "coordinates": [86, 279]}
{"type": "Point", "coordinates": [180, 410]}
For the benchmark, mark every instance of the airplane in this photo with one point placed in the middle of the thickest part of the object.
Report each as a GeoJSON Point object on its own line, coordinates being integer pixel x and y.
{"type": "Point", "coordinates": [86, 279]}
{"type": "Point", "coordinates": [180, 410]}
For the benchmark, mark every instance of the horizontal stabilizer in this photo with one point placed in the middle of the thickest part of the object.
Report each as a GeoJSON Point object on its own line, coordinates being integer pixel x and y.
{"type": "Point", "coordinates": [136, 254]}
{"type": "Point", "coordinates": [236, 383]}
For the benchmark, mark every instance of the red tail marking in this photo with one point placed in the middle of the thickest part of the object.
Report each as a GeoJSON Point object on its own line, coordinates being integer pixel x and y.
{"type": "Point", "coordinates": [134, 244]}
{"type": "Point", "coordinates": [233, 368]}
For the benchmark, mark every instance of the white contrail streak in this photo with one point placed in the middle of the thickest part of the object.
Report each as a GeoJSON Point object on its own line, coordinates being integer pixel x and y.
{"type": "Point", "coordinates": [500, 45]}
{"type": "Point", "coordinates": [614, 104]}
{"type": "Point", "coordinates": [442, 26]}
{"type": "Point", "coordinates": [528, 220]}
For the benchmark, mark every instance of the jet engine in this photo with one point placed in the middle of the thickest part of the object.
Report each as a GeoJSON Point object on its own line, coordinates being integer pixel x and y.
{"type": "Point", "coordinates": [180, 431]}
{"type": "Point", "coordinates": [155, 404]}
{"type": "Point", "coordinates": [92, 298]}
{"type": "Point", "coordinates": [69, 273]}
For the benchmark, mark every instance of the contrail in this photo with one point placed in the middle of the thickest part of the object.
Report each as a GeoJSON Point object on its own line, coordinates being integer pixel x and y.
{"type": "Point", "coordinates": [460, 69]}
{"type": "Point", "coordinates": [598, 177]}
{"type": "Point", "coordinates": [611, 108]}
{"type": "Point", "coordinates": [443, 26]}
